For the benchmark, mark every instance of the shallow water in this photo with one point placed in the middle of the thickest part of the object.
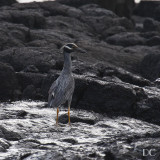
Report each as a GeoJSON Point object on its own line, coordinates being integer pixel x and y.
{"type": "Point", "coordinates": [40, 134]}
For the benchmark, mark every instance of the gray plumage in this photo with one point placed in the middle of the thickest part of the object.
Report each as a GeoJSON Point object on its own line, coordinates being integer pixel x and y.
{"type": "Point", "coordinates": [62, 89]}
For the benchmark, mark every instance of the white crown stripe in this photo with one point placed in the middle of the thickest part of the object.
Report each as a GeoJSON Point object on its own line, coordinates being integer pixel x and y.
{"type": "Point", "coordinates": [67, 47]}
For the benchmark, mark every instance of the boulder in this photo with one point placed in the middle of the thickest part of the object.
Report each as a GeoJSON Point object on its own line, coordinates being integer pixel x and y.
{"type": "Point", "coordinates": [77, 119]}
{"type": "Point", "coordinates": [9, 135]}
{"type": "Point", "coordinates": [126, 76]}
{"type": "Point", "coordinates": [28, 78]}
{"type": "Point", "coordinates": [154, 41]}
{"type": "Point", "coordinates": [30, 84]}
{"type": "Point", "coordinates": [12, 35]}
{"type": "Point", "coordinates": [8, 82]}
{"type": "Point", "coordinates": [7, 3]}
{"type": "Point", "coordinates": [76, 3]}
{"type": "Point", "coordinates": [24, 6]}
{"type": "Point", "coordinates": [157, 13]}
{"type": "Point", "coordinates": [101, 20]}
{"type": "Point", "coordinates": [120, 7]}
{"type": "Point", "coordinates": [30, 19]}
{"type": "Point", "coordinates": [4, 145]}
{"type": "Point", "coordinates": [45, 155]}
{"type": "Point", "coordinates": [29, 92]}
{"type": "Point", "coordinates": [148, 108]}
{"type": "Point", "coordinates": [110, 97]}
{"type": "Point", "coordinates": [150, 34]}
{"type": "Point", "coordinates": [150, 66]}
{"type": "Point", "coordinates": [146, 8]}
{"type": "Point", "coordinates": [126, 39]}
{"type": "Point", "coordinates": [70, 28]}
{"type": "Point", "coordinates": [150, 24]}
{"type": "Point", "coordinates": [31, 68]}
{"type": "Point", "coordinates": [55, 9]}
{"type": "Point", "coordinates": [95, 10]}
{"type": "Point", "coordinates": [114, 30]}
{"type": "Point", "coordinates": [20, 58]}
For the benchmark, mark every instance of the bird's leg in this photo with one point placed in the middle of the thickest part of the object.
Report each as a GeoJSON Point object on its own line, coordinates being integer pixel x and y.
{"type": "Point", "coordinates": [69, 122]}
{"type": "Point", "coordinates": [57, 116]}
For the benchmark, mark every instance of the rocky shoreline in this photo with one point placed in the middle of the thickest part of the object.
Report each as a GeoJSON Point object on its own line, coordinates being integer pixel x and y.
{"type": "Point", "coordinates": [91, 135]}
{"type": "Point", "coordinates": [116, 79]}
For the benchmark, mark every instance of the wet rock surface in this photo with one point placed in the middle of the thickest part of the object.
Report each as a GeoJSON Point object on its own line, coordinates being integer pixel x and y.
{"type": "Point", "coordinates": [117, 137]}
{"type": "Point", "coordinates": [116, 103]}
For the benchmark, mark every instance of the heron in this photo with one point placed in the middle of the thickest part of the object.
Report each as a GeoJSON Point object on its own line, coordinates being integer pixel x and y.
{"type": "Point", "coordinates": [61, 91]}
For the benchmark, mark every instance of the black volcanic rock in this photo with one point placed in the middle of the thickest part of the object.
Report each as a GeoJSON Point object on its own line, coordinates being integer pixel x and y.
{"type": "Point", "coordinates": [110, 80]}
{"type": "Point", "coordinates": [28, 78]}
{"type": "Point", "coordinates": [31, 68]}
{"type": "Point", "coordinates": [150, 24]}
{"type": "Point", "coordinates": [20, 58]}
{"type": "Point", "coordinates": [76, 3]}
{"type": "Point", "coordinates": [126, 76]}
{"type": "Point", "coordinates": [146, 8]}
{"type": "Point", "coordinates": [102, 23]}
{"type": "Point", "coordinates": [12, 35]}
{"type": "Point", "coordinates": [7, 2]}
{"type": "Point", "coordinates": [32, 35]}
{"type": "Point", "coordinates": [150, 66]}
{"type": "Point", "coordinates": [95, 10]}
{"type": "Point", "coordinates": [9, 135]}
{"type": "Point", "coordinates": [126, 39]}
{"type": "Point", "coordinates": [154, 41]}
{"type": "Point", "coordinates": [29, 19]}
{"type": "Point", "coordinates": [109, 155]}
{"type": "Point", "coordinates": [24, 6]}
{"type": "Point", "coordinates": [113, 97]}
{"type": "Point", "coordinates": [4, 145]}
{"type": "Point", "coordinates": [9, 83]}
{"type": "Point", "coordinates": [55, 9]}
{"type": "Point", "coordinates": [29, 92]}
{"type": "Point", "coordinates": [121, 8]}
{"type": "Point", "coordinates": [46, 155]}
{"type": "Point", "coordinates": [77, 119]}
{"type": "Point", "coordinates": [114, 30]}
{"type": "Point", "coordinates": [148, 107]}
{"type": "Point", "coordinates": [157, 13]}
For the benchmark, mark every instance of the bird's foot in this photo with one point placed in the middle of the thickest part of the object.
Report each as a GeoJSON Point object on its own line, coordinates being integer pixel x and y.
{"type": "Point", "coordinates": [69, 123]}
{"type": "Point", "coordinates": [56, 124]}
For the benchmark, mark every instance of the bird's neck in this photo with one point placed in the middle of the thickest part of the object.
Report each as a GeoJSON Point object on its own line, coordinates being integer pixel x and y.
{"type": "Point", "coordinates": [67, 67]}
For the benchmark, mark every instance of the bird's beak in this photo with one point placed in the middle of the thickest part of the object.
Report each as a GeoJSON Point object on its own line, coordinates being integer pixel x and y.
{"type": "Point", "coordinates": [80, 50]}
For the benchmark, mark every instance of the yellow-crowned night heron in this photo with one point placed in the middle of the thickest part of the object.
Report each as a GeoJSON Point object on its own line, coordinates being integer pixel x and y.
{"type": "Point", "coordinates": [61, 90]}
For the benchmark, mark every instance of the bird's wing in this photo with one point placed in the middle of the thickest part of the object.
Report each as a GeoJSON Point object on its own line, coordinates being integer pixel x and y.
{"type": "Point", "coordinates": [52, 92]}
{"type": "Point", "coordinates": [69, 89]}
{"type": "Point", "coordinates": [61, 91]}
{"type": "Point", "coordinates": [53, 87]}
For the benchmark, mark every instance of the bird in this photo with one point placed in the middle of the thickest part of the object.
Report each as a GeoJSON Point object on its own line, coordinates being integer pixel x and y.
{"type": "Point", "coordinates": [61, 90]}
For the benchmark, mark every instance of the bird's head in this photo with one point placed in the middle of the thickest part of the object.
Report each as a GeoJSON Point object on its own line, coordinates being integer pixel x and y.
{"type": "Point", "coordinates": [71, 47]}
